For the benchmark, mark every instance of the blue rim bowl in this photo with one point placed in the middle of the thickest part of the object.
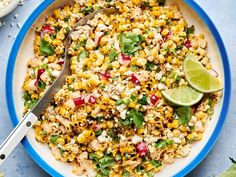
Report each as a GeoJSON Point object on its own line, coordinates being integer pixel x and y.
{"type": "Point", "coordinates": [206, 149]}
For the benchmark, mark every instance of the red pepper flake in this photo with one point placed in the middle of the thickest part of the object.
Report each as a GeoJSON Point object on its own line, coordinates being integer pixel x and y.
{"type": "Point", "coordinates": [92, 100]}
{"type": "Point", "coordinates": [134, 80]}
{"type": "Point", "coordinates": [105, 76]}
{"type": "Point", "coordinates": [125, 57]}
{"type": "Point", "coordinates": [79, 101]}
{"type": "Point", "coordinates": [48, 29]}
{"type": "Point", "coordinates": [60, 62]}
{"type": "Point", "coordinates": [188, 44]}
{"type": "Point", "coordinates": [142, 149]}
{"type": "Point", "coordinates": [154, 99]}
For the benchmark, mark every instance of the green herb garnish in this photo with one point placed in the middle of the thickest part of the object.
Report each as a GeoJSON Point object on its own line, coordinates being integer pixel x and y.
{"type": "Point", "coordinates": [53, 138]}
{"type": "Point", "coordinates": [46, 48]}
{"type": "Point", "coordinates": [184, 114]}
{"type": "Point", "coordinates": [130, 43]}
{"type": "Point", "coordinates": [82, 55]}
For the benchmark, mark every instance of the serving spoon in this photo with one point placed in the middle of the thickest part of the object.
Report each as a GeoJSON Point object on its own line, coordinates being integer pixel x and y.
{"type": "Point", "coordinates": [31, 118]}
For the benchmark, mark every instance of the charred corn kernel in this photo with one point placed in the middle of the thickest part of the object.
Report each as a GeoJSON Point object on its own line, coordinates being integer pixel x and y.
{"type": "Point", "coordinates": [104, 125]}
{"type": "Point", "coordinates": [175, 61]}
{"type": "Point", "coordinates": [123, 69]}
{"type": "Point", "coordinates": [165, 32]}
{"type": "Point", "coordinates": [61, 141]}
{"type": "Point", "coordinates": [115, 64]}
{"type": "Point", "coordinates": [37, 40]}
{"type": "Point", "coordinates": [156, 132]}
{"type": "Point", "coordinates": [109, 124]}
{"type": "Point", "coordinates": [199, 136]}
{"type": "Point", "coordinates": [132, 105]}
{"type": "Point", "coordinates": [140, 131]}
{"type": "Point", "coordinates": [136, 2]}
{"type": "Point", "coordinates": [34, 96]}
{"type": "Point", "coordinates": [183, 128]}
{"type": "Point", "coordinates": [51, 58]}
{"type": "Point", "coordinates": [169, 59]}
{"type": "Point", "coordinates": [99, 154]}
{"type": "Point", "coordinates": [73, 67]}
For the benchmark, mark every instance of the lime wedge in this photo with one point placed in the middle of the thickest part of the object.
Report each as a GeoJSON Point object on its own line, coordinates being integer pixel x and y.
{"type": "Point", "coordinates": [182, 96]}
{"type": "Point", "coordinates": [198, 76]}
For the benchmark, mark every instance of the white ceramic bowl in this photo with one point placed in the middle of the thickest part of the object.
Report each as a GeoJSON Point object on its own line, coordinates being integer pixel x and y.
{"type": "Point", "coordinates": [23, 50]}
{"type": "Point", "coordinates": [10, 7]}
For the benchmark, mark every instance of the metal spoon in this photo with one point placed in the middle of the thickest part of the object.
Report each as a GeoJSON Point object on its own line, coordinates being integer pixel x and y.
{"type": "Point", "coordinates": [31, 118]}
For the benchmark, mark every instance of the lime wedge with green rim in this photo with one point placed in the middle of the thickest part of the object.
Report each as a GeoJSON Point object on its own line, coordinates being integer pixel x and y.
{"type": "Point", "coordinates": [199, 77]}
{"type": "Point", "coordinates": [182, 96]}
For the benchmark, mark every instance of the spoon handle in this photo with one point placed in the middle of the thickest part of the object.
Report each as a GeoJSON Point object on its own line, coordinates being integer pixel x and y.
{"type": "Point", "coordinates": [16, 136]}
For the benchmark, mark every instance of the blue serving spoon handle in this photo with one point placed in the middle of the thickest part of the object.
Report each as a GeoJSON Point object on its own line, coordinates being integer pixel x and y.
{"type": "Point", "coordinates": [16, 136]}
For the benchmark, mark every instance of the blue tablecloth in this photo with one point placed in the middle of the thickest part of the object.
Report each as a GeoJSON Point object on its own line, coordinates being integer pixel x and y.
{"type": "Point", "coordinates": [223, 15]}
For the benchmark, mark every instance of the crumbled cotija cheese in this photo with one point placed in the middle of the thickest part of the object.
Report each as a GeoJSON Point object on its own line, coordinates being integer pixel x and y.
{"type": "Point", "coordinates": [4, 3]}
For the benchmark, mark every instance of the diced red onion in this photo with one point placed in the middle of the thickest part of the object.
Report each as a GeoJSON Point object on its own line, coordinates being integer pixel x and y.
{"type": "Point", "coordinates": [92, 100]}
{"type": "Point", "coordinates": [48, 29]}
{"type": "Point", "coordinates": [125, 57]}
{"type": "Point", "coordinates": [142, 149]}
{"type": "Point", "coordinates": [134, 80]}
{"type": "Point", "coordinates": [105, 76]}
{"type": "Point", "coordinates": [79, 101]}
{"type": "Point", "coordinates": [60, 62]}
{"type": "Point", "coordinates": [154, 99]}
{"type": "Point", "coordinates": [188, 44]}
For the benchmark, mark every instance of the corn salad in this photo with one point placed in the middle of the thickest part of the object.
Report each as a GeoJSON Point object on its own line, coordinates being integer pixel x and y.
{"type": "Point", "coordinates": [110, 118]}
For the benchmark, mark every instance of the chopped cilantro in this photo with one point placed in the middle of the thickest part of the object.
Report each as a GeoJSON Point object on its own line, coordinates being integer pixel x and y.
{"type": "Point", "coordinates": [190, 30]}
{"type": "Point", "coordinates": [130, 43]}
{"type": "Point", "coordinates": [87, 10]}
{"type": "Point", "coordinates": [149, 66]}
{"type": "Point", "coordinates": [41, 85]}
{"type": "Point", "coordinates": [134, 68]}
{"type": "Point", "coordinates": [82, 55]}
{"type": "Point", "coordinates": [31, 104]}
{"type": "Point", "coordinates": [46, 48]}
{"type": "Point", "coordinates": [125, 173]}
{"type": "Point", "coordinates": [66, 19]}
{"type": "Point", "coordinates": [99, 132]}
{"type": "Point", "coordinates": [143, 100]}
{"type": "Point", "coordinates": [184, 114]}
{"type": "Point", "coordinates": [164, 143]}
{"type": "Point", "coordinates": [112, 55]}
{"type": "Point", "coordinates": [53, 138]}
{"type": "Point", "coordinates": [136, 117]}
{"type": "Point", "coordinates": [156, 163]}
{"type": "Point", "coordinates": [161, 2]}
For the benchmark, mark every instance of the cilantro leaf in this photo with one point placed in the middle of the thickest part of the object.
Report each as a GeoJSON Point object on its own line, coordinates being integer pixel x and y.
{"type": "Point", "coordinates": [164, 143]}
{"type": "Point", "coordinates": [156, 163]}
{"type": "Point", "coordinates": [87, 10]}
{"type": "Point", "coordinates": [41, 85]}
{"type": "Point", "coordinates": [130, 43]}
{"type": "Point", "coordinates": [53, 138]}
{"type": "Point", "coordinates": [125, 173]}
{"type": "Point", "coordinates": [46, 48]}
{"type": "Point", "coordinates": [161, 2]}
{"type": "Point", "coordinates": [82, 55]}
{"type": "Point", "coordinates": [149, 66]}
{"type": "Point", "coordinates": [32, 103]}
{"type": "Point", "coordinates": [143, 100]}
{"type": "Point", "coordinates": [190, 30]}
{"type": "Point", "coordinates": [112, 55]}
{"type": "Point", "coordinates": [184, 114]}
{"type": "Point", "coordinates": [137, 117]}
{"type": "Point", "coordinates": [106, 161]}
